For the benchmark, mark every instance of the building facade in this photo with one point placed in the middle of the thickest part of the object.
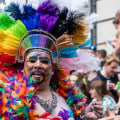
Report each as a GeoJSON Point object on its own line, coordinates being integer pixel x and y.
{"type": "Point", "coordinates": [104, 30]}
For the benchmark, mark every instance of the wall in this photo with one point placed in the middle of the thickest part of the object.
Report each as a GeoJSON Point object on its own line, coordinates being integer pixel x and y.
{"type": "Point", "coordinates": [106, 10]}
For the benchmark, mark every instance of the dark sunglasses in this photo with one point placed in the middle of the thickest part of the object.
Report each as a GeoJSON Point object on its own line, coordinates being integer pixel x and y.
{"type": "Point", "coordinates": [116, 22]}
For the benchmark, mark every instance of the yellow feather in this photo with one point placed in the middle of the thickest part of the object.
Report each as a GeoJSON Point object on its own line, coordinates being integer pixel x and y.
{"type": "Point", "coordinates": [8, 42]}
{"type": "Point", "coordinates": [81, 34]}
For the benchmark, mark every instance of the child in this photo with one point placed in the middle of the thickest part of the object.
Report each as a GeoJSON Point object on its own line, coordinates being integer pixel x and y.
{"type": "Point", "coordinates": [98, 91]}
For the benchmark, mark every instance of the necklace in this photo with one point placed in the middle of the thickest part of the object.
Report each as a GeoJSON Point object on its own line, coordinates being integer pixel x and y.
{"type": "Point", "coordinates": [48, 105]}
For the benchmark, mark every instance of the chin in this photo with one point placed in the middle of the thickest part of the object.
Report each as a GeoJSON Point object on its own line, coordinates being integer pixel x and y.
{"type": "Point", "coordinates": [112, 74]}
{"type": "Point", "coordinates": [92, 97]}
{"type": "Point", "coordinates": [37, 81]}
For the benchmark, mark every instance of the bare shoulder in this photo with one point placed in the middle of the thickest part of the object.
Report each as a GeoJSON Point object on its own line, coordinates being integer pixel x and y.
{"type": "Point", "coordinates": [119, 77]}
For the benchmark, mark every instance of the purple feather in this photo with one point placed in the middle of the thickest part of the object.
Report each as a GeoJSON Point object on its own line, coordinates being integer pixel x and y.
{"type": "Point", "coordinates": [48, 13]}
{"type": "Point", "coordinates": [64, 114]}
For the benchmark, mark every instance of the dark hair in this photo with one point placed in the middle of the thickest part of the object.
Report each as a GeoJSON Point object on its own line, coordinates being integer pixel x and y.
{"type": "Point", "coordinates": [102, 52]}
{"type": "Point", "coordinates": [116, 22]}
{"type": "Point", "coordinates": [100, 87]}
{"type": "Point", "coordinates": [82, 83]}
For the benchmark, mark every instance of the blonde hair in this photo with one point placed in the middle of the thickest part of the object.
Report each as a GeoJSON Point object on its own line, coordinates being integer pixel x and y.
{"type": "Point", "coordinates": [112, 58]}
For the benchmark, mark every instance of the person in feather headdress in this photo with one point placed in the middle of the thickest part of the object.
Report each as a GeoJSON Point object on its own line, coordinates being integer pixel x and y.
{"type": "Point", "coordinates": [32, 83]}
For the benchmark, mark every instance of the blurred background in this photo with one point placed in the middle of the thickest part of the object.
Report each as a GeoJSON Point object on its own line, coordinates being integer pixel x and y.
{"type": "Point", "coordinates": [104, 34]}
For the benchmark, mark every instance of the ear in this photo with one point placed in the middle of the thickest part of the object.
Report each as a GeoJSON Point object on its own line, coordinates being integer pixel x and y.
{"type": "Point", "coordinates": [105, 64]}
{"type": "Point", "coordinates": [53, 69]}
{"type": "Point", "coordinates": [52, 72]}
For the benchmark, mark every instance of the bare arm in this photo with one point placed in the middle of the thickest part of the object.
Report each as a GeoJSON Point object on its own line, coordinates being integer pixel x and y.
{"type": "Point", "coordinates": [119, 77]}
{"type": "Point", "coordinates": [117, 46]}
{"type": "Point", "coordinates": [111, 114]}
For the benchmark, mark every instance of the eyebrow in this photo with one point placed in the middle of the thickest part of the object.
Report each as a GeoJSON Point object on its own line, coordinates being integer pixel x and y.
{"type": "Point", "coordinates": [44, 57]}
{"type": "Point", "coordinates": [40, 57]}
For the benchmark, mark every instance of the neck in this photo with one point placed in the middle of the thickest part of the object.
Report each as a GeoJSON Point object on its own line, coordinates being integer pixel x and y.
{"type": "Point", "coordinates": [102, 59]}
{"type": "Point", "coordinates": [99, 98]}
{"type": "Point", "coordinates": [44, 94]}
{"type": "Point", "coordinates": [44, 86]}
{"type": "Point", "coordinates": [104, 73]}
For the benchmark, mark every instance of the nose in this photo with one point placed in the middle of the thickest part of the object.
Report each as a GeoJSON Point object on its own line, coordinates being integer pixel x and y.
{"type": "Point", "coordinates": [90, 91]}
{"type": "Point", "coordinates": [38, 64]}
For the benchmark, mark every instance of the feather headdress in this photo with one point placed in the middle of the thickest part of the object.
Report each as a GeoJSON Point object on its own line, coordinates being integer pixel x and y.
{"type": "Point", "coordinates": [65, 24]}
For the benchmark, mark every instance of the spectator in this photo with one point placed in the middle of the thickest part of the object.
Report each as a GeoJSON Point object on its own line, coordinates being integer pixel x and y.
{"type": "Point", "coordinates": [74, 76]}
{"type": "Point", "coordinates": [80, 80]}
{"type": "Point", "coordinates": [92, 49]}
{"type": "Point", "coordinates": [98, 91]}
{"type": "Point", "coordinates": [118, 104]}
{"type": "Point", "coordinates": [116, 23]}
{"type": "Point", "coordinates": [83, 85]}
{"type": "Point", "coordinates": [101, 54]}
{"type": "Point", "coordinates": [110, 73]}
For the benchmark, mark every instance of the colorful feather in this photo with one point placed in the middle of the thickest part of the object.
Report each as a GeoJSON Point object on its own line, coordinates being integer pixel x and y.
{"type": "Point", "coordinates": [48, 13]}
{"type": "Point", "coordinates": [15, 11]}
{"type": "Point", "coordinates": [77, 27]}
{"type": "Point", "coordinates": [87, 62]}
{"type": "Point", "coordinates": [18, 29]}
{"type": "Point", "coordinates": [73, 5]}
{"type": "Point", "coordinates": [5, 21]}
{"type": "Point", "coordinates": [30, 16]}
{"type": "Point", "coordinates": [61, 24]}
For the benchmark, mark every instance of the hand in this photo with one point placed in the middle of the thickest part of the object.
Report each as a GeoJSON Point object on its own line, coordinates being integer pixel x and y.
{"type": "Point", "coordinates": [111, 86]}
{"type": "Point", "coordinates": [94, 113]}
{"type": "Point", "coordinates": [118, 93]}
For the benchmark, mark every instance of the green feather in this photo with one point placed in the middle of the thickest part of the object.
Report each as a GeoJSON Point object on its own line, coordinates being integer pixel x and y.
{"type": "Point", "coordinates": [69, 101]}
{"type": "Point", "coordinates": [5, 21]}
{"type": "Point", "coordinates": [18, 29]}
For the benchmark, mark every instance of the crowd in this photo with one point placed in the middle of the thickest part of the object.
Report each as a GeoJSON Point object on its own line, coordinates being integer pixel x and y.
{"type": "Point", "coordinates": [103, 84]}
{"type": "Point", "coordinates": [43, 73]}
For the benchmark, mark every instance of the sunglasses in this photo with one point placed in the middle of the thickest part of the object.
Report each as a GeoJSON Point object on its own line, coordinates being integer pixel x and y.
{"type": "Point", "coordinates": [32, 58]}
{"type": "Point", "coordinates": [116, 22]}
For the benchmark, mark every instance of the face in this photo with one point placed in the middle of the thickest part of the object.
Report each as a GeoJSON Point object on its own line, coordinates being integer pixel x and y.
{"type": "Point", "coordinates": [91, 51]}
{"type": "Point", "coordinates": [117, 21]}
{"type": "Point", "coordinates": [111, 69]}
{"type": "Point", "coordinates": [93, 93]}
{"type": "Point", "coordinates": [38, 67]}
{"type": "Point", "coordinates": [73, 79]}
{"type": "Point", "coordinates": [98, 55]}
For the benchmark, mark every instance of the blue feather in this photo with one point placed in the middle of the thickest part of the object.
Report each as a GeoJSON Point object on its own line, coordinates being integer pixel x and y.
{"type": "Point", "coordinates": [68, 52]}
{"type": "Point", "coordinates": [15, 11]}
{"type": "Point", "coordinates": [32, 22]}
{"type": "Point", "coordinates": [28, 11]}
{"type": "Point", "coordinates": [30, 18]}
{"type": "Point", "coordinates": [88, 42]}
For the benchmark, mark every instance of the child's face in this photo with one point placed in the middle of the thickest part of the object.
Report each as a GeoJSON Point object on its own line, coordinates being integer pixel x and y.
{"type": "Point", "coordinates": [73, 79]}
{"type": "Point", "coordinates": [93, 93]}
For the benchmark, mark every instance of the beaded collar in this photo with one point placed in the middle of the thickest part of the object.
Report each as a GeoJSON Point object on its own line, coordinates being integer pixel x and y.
{"type": "Point", "coordinates": [48, 105]}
